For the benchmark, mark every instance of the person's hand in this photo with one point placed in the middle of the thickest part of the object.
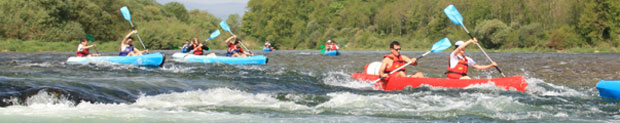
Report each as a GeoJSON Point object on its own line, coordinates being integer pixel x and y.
{"type": "Point", "coordinates": [147, 50]}
{"type": "Point", "coordinates": [475, 41]}
{"type": "Point", "coordinates": [493, 64]}
{"type": "Point", "coordinates": [234, 36]}
{"type": "Point", "coordinates": [134, 31]}
{"type": "Point", "coordinates": [384, 75]}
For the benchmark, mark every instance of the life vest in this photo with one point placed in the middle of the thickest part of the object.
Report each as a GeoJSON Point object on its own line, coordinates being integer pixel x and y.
{"type": "Point", "coordinates": [231, 49]}
{"type": "Point", "coordinates": [84, 52]}
{"type": "Point", "coordinates": [198, 50]}
{"type": "Point", "coordinates": [459, 70]}
{"type": "Point", "coordinates": [331, 47]}
{"type": "Point", "coordinates": [396, 63]}
{"type": "Point", "coordinates": [126, 51]}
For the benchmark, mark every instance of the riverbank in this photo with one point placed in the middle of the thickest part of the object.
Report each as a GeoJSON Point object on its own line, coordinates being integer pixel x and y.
{"type": "Point", "coordinates": [108, 46]}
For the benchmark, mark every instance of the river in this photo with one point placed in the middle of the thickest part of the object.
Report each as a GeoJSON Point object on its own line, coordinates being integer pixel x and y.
{"type": "Point", "coordinates": [300, 86]}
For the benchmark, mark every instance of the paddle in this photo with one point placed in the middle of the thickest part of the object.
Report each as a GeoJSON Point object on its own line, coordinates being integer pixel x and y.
{"type": "Point", "coordinates": [92, 39]}
{"type": "Point", "coordinates": [127, 17]}
{"type": "Point", "coordinates": [437, 47]}
{"type": "Point", "coordinates": [227, 29]}
{"type": "Point", "coordinates": [322, 48]}
{"type": "Point", "coordinates": [212, 36]}
{"type": "Point", "coordinates": [457, 19]}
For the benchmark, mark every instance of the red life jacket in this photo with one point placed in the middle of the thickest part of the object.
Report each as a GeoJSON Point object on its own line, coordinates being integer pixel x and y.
{"type": "Point", "coordinates": [332, 47]}
{"type": "Point", "coordinates": [84, 52]}
{"type": "Point", "coordinates": [459, 70]}
{"type": "Point", "coordinates": [396, 63]}
{"type": "Point", "coordinates": [231, 47]}
{"type": "Point", "coordinates": [198, 50]}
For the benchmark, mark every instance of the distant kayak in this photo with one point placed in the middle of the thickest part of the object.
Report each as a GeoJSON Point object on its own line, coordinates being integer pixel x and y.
{"type": "Point", "coordinates": [152, 59]}
{"type": "Point", "coordinates": [332, 53]}
{"type": "Point", "coordinates": [609, 88]}
{"type": "Point", "coordinates": [267, 49]}
{"type": "Point", "coordinates": [182, 57]}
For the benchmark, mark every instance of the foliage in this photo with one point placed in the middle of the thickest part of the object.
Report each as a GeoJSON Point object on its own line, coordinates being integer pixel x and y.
{"type": "Point", "coordinates": [160, 26]}
{"type": "Point", "coordinates": [370, 24]}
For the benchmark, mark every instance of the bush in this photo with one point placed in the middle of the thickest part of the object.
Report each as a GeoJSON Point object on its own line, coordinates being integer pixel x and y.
{"type": "Point", "coordinates": [565, 37]}
{"type": "Point", "coordinates": [492, 33]}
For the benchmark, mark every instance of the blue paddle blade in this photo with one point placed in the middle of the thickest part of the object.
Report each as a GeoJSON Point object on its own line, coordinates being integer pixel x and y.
{"type": "Point", "coordinates": [441, 45]}
{"type": "Point", "coordinates": [454, 15]}
{"type": "Point", "coordinates": [214, 34]}
{"type": "Point", "coordinates": [126, 13]}
{"type": "Point", "coordinates": [225, 26]}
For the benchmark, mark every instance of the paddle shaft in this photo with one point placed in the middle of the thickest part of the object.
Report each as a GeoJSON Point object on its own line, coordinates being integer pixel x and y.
{"type": "Point", "coordinates": [242, 45]}
{"type": "Point", "coordinates": [140, 39]}
{"type": "Point", "coordinates": [485, 53]}
{"type": "Point", "coordinates": [401, 67]}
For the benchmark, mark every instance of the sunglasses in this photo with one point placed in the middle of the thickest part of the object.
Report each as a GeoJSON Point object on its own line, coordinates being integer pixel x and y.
{"type": "Point", "coordinates": [397, 49]}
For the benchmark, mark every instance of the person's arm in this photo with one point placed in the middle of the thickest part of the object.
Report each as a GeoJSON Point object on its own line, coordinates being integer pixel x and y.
{"type": "Point", "coordinates": [463, 46]}
{"type": "Point", "coordinates": [230, 38]}
{"type": "Point", "coordinates": [383, 66]}
{"type": "Point", "coordinates": [412, 60]}
{"type": "Point", "coordinates": [485, 67]}
{"type": "Point", "coordinates": [127, 36]}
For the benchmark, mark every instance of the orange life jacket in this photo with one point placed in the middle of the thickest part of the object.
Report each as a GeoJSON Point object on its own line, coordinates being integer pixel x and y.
{"type": "Point", "coordinates": [459, 70]}
{"type": "Point", "coordinates": [84, 52]}
{"type": "Point", "coordinates": [396, 63]}
{"type": "Point", "coordinates": [198, 50]}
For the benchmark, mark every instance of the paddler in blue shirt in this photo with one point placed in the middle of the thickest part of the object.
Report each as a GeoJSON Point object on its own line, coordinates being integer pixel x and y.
{"type": "Point", "coordinates": [394, 60]}
{"type": "Point", "coordinates": [185, 48]}
{"type": "Point", "coordinates": [127, 49]}
{"type": "Point", "coordinates": [459, 63]}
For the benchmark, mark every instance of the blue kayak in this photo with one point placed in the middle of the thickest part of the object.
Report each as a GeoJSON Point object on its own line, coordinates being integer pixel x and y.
{"type": "Point", "coordinates": [152, 59]}
{"type": "Point", "coordinates": [182, 57]}
{"type": "Point", "coordinates": [332, 53]}
{"type": "Point", "coordinates": [267, 49]}
{"type": "Point", "coordinates": [609, 88]}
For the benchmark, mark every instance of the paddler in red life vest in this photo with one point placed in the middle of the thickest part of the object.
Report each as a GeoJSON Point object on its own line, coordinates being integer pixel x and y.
{"type": "Point", "coordinates": [395, 60]}
{"type": "Point", "coordinates": [127, 48]}
{"type": "Point", "coordinates": [459, 63]}
{"type": "Point", "coordinates": [199, 48]}
{"type": "Point", "coordinates": [331, 46]}
{"type": "Point", "coordinates": [83, 47]}
{"type": "Point", "coordinates": [234, 48]}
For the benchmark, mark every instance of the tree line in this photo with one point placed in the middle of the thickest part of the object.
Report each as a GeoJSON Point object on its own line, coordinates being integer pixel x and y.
{"type": "Point", "coordinates": [307, 24]}
{"type": "Point", "coordinates": [556, 24]}
{"type": "Point", "coordinates": [160, 26]}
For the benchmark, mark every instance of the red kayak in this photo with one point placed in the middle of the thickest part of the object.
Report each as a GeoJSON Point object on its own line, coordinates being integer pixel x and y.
{"type": "Point", "coordinates": [399, 83]}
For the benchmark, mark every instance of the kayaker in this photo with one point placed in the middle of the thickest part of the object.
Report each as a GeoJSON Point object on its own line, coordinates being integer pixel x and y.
{"type": "Point", "coordinates": [127, 49]}
{"type": "Point", "coordinates": [331, 46]}
{"type": "Point", "coordinates": [268, 45]}
{"type": "Point", "coordinates": [185, 47]}
{"type": "Point", "coordinates": [459, 63]}
{"type": "Point", "coordinates": [83, 47]}
{"type": "Point", "coordinates": [395, 60]}
{"type": "Point", "coordinates": [200, 49]}
{"type": "Point", "coordinates": [234, 48]}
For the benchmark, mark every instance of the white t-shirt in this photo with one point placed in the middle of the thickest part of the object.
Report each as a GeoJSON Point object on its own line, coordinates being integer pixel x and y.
{"type": "Point", "coordinates": [454, 59]}
{"type": "Point", "coordinates": [80, 47]}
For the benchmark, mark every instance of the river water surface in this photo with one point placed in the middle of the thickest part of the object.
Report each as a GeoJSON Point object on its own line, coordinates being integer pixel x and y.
{"type": "Point", "coordinates": [300, 86]}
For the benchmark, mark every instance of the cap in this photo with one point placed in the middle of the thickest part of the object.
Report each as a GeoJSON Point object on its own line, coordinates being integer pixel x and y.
{"type": "Point", "coordinates": [329, 41]}
{"type": "Point", "coordinates": [459, 43]}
